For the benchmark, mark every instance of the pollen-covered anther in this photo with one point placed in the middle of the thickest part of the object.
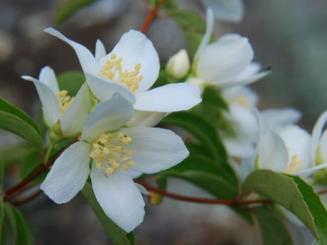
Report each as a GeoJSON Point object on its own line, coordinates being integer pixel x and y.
{"type": "Point", "coordinates": [65, 100]}
{"type": "Point", "coordinates": [110, 152]}
{"type": "Point", "coordinates": [113, 70]}
{"type": "Point", "coordinates": [294, 164]}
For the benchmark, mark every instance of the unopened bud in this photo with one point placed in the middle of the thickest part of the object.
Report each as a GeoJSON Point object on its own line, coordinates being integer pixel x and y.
{"type": "Point", "coordinates": [178, 65]}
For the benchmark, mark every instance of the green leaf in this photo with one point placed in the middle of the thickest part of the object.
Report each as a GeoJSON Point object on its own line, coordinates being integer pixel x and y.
{"type": "Point", "coordinates": [202, 173]}
{"type": "Point", "coordinates": [206, 136]}
{"type": "Point", "coordinates": [273, 231]}
{"type": "Point", "coordinates": [68, 8]}
{"type": "Point", "coordinates": [71, 81]}
{"type": "Point", "coordinates": [21, 233]}
{"type": "Point", "coordinates": [295, 195]}
{"type": "Point", "coordinates": [116, 234]}
{"type": "Point", "coordinates": [193, 26]}
{"type": "Point", "coordinates": [18, 122]}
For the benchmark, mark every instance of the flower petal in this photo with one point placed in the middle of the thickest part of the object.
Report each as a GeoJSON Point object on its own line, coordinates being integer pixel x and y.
{"type": "Point", "coordinates": [275, 118]}
{"type": "Point", "coordinates": [244, 81]}
{"type": "Point", "coordinates": [119, 198]}
{"type": "Point", "coordinates": [145, 118]}
{"type": "Point", "coordinates": [322, 148]}
{"type": "Point", "coordinates": [169, 98]}
{"type": "Point", "coordinates": [224, 60]}
{"type": "Point", "coordinates": [297, 141]}
{"type": "Point", "coordinates": [155, 149]}
{"type": "Point", "coordinates": [316, 134]}
{"type": "Point", "coordinates": [104, 89]}
{"type": "Point", "coordinates": [48, 77]}
{"type": "Point", "coordinates": [84, 55]}
{"type": "Point", "coordinates": [74, 118]}
{"type": "Point", "coordinates": [310, 171]}
{"type": "Point", "coordinates": [107, 116]}
{"type": "Point", "coordinates": [49, 101]}
{"type": "Point", "coordinates": [210, 21]}
{"type": "Point", "coordinates": [100, 50]}
{"type": "Point", "coordinates": [135, 48]}
{"type": "Point", "coordinates": [68, 174]}
{"type": "Point", "coordinates": [272, 152]}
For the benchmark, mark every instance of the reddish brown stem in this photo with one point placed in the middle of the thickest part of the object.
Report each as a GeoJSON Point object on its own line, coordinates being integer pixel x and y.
{"type": "Point", "coordinates": [151, 16]}
{"type": "Point", "coordinates": [25, 182]}
{"type": "Point", "coordinates": [27, 199]}
{"type": "Point", "coordinates": [229, 202]}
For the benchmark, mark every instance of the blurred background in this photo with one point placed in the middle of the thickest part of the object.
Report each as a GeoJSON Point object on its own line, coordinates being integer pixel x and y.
{"type": "Point", "coordinates": [288, 35]}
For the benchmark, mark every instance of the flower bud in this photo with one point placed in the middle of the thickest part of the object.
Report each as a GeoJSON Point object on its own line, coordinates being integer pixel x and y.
{"type": "Point", "coordinates": [178, 65]}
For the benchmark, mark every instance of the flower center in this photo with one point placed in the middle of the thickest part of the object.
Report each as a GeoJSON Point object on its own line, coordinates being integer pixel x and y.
{"type": "Point", "coordinates": [110, 153]}
{"type": "Point", "coordinates": [65, 100]}
{"type": "Point", "coordinates": [293, 165]}
{"type": "Point", "coordinates": [241, 101]}
{"type": "Point", "coordinates": [113, 71]}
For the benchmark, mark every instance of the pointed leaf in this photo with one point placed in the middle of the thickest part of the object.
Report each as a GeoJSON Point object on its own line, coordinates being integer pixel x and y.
{"type": "Point", "coordinates": [295, 195]}
{"type": "Point", "coordinates": [18, 122]}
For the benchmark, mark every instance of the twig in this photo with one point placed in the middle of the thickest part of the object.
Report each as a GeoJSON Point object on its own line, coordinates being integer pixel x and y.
{"type": "Point", "coordinates": [151, 16]}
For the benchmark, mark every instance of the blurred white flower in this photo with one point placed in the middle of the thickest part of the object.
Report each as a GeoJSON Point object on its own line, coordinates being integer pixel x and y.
{"type": "Point", "coordinates": [226, 62]}
{"type": "Point", "coordinates": [292, 149]}
{"type": "Point", "coordinates": [242, 103]}
{"type": "Point", "coordinates": [131, 68]}
{"type": "Point", "coordinates": [117, 155]}
{"type": "Point", "coordinates": [178, 65]}
{"type": "Point", "coordinates": [226, 10]}
{"type": "Point", "coordinates": [58, 106]}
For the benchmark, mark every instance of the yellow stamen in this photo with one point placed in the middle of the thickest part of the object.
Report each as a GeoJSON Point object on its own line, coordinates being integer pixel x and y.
{"type": "Point", "coordinates": [294, 165]}
{"type": "Point", "coordinates": [65, 100]}
{"type": "Point", "coordinates": [154, 198]}
{"type": "Point", "coordinates": [113, 71]}
{"type": "Point", "coordinates": [241, 100]}
{"type": "Point", "coordinates": [110, 153]}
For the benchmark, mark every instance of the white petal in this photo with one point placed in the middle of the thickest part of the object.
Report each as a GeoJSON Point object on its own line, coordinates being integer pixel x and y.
{"type": "Point", "coordinates": [297, 141]}
{"type": "Point", "coordinates": [323, 147]}
{"type": "Point", "coordinates": [243, 81]}
{"type": "Point", "coordinates": [239, 148]}
{"type": "Point", "coordinates": [119, 198]}
{"type": "Point", "coordinates": [169, 98]}
{"type": "Point", "coordinates": [316, 134]}
{"type": "Point", "coordinates": [310, 171]}
{"type": "Point", "coordinates": [146, 119]}
{"type": "Point", "coordinates": [48, 77]}
{"type": "Point", "coordinates": [105, 89]}
{"type": "Point", "coordinates": [107, 116]}
{"type": "Point", "coordinates": [84, 55]}
{"type": "Point", "coordinates": [100, 50]}
{"type": "Point", "coordinates": [68, 173]}
{"type": "Point", "coordinates": [49, 101]}
{"type": "Point", "coordinates": [272, 152]}
{"type": "Point", "coordinates": [210, 21]}
{"type": "Point", "coordinates": [250, 70]}
{"type": "Point", "coordinates": [135, 48]}
{"type": "Point", "coordinates": [230, 10]}
{"type": "Point", "coordinates": [134, 173]}
{"type": "Point", "coordinates": [224, 60]}
{"type": "Point", "coordinates": [74, 118]}
{"type": "Point", "coordinates": [155, 149]}
{"type": "Point", "coordinates": [242, 95]}
{"type": "Point", "coordinates": [142, 189]}
{"type": "Point", "coordinates": [275, 118]}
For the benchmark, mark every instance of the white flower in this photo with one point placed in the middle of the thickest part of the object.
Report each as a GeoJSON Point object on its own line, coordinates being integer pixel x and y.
{"type": "Point", "coordinates": [178, 65]}
{"type": "Point", "coordinates": [131, 68]}
{"type": "Point", "coordinates": [58, 106]}
{"type": "Point", "coordinates": [227, 10]}
{"type": "Point", "coordinates": [242, 103]}
{"type": "Point", "coordinates": [292, 149]}
{"type": "Point", "coordinates": [226, 62]}
{"type": "Point", "coordinates": [113, 156]}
